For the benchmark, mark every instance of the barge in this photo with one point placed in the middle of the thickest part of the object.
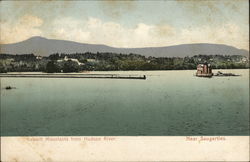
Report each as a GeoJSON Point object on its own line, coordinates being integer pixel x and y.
{"type": "Point", "coordinates": [219, 73]}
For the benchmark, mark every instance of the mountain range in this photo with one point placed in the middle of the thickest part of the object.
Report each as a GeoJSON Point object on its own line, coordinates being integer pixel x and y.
{"type": "Point", "coordinates": [44, 47]}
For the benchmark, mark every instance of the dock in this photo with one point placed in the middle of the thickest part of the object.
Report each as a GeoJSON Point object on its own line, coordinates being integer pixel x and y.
{"type": "Point", "coordinates": [57, 75]}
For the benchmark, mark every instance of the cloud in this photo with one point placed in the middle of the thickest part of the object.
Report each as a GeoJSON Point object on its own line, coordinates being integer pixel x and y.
{"type": "Point", "coordinates": [116, 9]}
{"type": "Point", "coordinates": [110, 33]}
{"type": "Point", "coordinates": [96, 31]}
{"type": "Point", "coordinates": [229, 34]}
{"type": "Point", "coordinates": [25, 27]}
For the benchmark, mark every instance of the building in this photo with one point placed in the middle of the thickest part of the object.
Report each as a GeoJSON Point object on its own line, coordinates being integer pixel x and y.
{"type": "Point", "coordinates": [204, 70]}
{"type": "Point", "coordinates": [39, 57]}
{"type": "Point", "coordinates": [67, 59]}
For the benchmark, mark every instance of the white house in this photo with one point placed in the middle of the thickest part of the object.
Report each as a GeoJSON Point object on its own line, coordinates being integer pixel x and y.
{"type": "Point", "coordinates": [66, 59]}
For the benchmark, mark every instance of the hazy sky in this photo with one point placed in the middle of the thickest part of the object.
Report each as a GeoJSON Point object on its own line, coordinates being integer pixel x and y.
{"type": "Point", "coordinates": [128, 23]}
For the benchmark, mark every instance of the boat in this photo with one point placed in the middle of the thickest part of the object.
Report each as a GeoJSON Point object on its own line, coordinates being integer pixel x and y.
{"type": "Point", "coordinates": [204, 70]}
{"type": "Point", "coordinates": [219, 73]}
{"type": "Point", "coordinates": [204, 75]}
{"type": "Point", "coordinates": [8, 87]}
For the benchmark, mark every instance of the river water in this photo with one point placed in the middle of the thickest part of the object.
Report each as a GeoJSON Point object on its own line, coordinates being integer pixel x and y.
{"type": "Point", "coordinates": [166, 103]}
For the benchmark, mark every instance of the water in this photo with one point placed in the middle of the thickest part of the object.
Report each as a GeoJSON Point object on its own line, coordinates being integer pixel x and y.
{"type": "Point", "coordinates": [166, 103]}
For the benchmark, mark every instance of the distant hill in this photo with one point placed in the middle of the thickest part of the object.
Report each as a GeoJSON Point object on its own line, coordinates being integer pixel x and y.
{"type": "Point", "coordinates": [44, 47]}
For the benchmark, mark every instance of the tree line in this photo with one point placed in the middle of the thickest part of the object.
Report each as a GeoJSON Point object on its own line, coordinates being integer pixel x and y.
{"type": "Point", "coordinates": [112, 61]}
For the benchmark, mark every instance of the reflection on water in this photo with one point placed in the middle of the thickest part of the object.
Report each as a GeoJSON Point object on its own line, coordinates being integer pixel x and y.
{"type": "Point", "coordinates": [166, 103]}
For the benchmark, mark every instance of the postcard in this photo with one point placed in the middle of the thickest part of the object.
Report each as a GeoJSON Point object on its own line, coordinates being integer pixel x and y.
{"type": "Point", "coordinates": [124, 80]}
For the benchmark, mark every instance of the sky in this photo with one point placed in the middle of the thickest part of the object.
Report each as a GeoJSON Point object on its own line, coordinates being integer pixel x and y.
{"type": "Point", "coordinates": [128, 23]}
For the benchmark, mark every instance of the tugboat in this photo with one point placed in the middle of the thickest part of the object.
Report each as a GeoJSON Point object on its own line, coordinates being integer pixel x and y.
{"type": "Point", "coordinates": [204, 70]}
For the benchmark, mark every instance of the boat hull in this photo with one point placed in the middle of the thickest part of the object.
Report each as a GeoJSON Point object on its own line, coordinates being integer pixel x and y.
{"type": "Point", "coordinates": [205, 75]}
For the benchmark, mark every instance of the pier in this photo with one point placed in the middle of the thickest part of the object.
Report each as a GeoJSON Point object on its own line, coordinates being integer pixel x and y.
{"type": "Point", "coordinates": [57, 75]}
